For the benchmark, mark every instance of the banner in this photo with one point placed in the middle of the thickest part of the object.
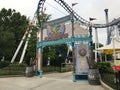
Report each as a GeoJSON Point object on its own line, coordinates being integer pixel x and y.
{"type": "Point", "coordinates": [56, 32]}
{"type": "Point", "coordinates": [81, 52]}
{"type": "Point", "coordinates": [55, 29]}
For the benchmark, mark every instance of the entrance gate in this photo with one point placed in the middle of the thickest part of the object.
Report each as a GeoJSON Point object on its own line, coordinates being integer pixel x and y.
{"type": "Point", "coordinates": [59, 32]}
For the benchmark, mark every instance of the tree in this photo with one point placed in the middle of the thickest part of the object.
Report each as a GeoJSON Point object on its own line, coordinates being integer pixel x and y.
{"type": "Point", "coordinates": [32, 50]}
{"type": "Point", "coordinates": [49, 53]}
{"type": "Point", "coordinates": [12, 28]}
{"type": "Point", "coordinates": [56, 54]}
{"type": "Point", "coordinates": [100, 45]}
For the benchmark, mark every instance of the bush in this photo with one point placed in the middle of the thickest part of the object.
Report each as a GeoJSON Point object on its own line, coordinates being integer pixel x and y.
{"type": "Point", "coordinates": [17, 65]}
{"type": "Point", "coordinates": [4, 64]}
{"type": "Point", "coordinates": [105, 66]}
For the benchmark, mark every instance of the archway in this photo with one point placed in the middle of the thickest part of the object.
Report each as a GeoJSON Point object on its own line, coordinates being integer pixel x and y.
{"type": "Point", "coordinates": [59, 32]}
{"type": "Point", "coordinates": [73, 39]}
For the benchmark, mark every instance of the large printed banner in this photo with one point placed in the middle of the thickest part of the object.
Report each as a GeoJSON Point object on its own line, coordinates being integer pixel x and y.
{"type": "Point", "coordinates": [62, 28]}
{"type": "Point", "coordinates": [81, 53]}
{"type": "Point", "coordinates": [56, 32]}
{"type": "Point", "coordinates": [55, 29]}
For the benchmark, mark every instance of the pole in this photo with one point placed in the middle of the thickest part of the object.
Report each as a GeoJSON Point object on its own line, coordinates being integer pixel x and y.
{"type": "Point", "coordinates": [107, 21]}
{"type": "Point", "coordinates": [114, 49]}
{"type": "Point", "coordinates": [20, 44]}
{"type": "Point", "coordinates": [73, 50]}
{"type": "Point", "coordinates": [91, 48]}
{"type": "Point", "coordinates": [40, 54]}
{"type": "Point", "coordinates": [96, 44]}
{"type": "Point", "coordinates": [24, 50]}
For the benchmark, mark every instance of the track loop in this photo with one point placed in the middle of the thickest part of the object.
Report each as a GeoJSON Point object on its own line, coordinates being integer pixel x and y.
{"type": "Point", "coordinates": [75, 15]}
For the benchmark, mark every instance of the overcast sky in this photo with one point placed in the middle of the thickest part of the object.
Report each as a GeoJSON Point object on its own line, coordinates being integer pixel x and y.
{"type": "Point", "coordinates": [85, 8]}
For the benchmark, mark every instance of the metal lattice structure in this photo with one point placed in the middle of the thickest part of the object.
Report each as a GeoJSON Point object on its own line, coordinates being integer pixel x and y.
{"type": "Point", "coordinates": [76, 16]}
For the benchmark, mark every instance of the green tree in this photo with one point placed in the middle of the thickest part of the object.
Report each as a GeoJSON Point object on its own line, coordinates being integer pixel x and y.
{"type": "Point", "coordinates": [12, 28]}
{"type": "Point", "coordinates": [32, 50]}
{"type": "Point", "coordinates": [49, 53]}
{"type": "Point", "coordinates": [56, 54]}
{"type": "Point", "coordinates": [99, 44]}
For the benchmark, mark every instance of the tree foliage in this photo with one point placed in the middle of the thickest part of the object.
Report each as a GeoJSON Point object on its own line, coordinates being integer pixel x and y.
{"type": "Point", "coordinates": [56, 54]}
{"type": "Point", "coordinates": [31, 49]}
{"type": "Point", "coordinates": [12, 28]}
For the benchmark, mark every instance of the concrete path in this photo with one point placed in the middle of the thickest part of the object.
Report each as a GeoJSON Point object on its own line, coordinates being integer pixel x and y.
{"type": "Point", "coordinates": [54, 81]}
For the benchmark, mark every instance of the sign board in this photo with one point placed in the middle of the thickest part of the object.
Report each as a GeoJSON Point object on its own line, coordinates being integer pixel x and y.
{"type": "Point", "coordinates": [117, 64]}
{"type": "Point", "coordinates": [55, 29]}
{"type": "Point", "coordinates": [56, 32]}
{"type": "Point", "coordinates": [81, 51]}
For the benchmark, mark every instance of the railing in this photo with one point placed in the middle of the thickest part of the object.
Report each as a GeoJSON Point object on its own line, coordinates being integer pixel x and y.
{"type": "Point", "coordinates": [57, 69]}
{"type": "Point", "coordinates": [12, 71]}
{"type": "Point", "coordinates": [108, 78]}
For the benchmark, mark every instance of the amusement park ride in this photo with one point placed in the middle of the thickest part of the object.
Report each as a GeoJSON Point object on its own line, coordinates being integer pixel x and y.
{"type": "Point", "coordinates": [81, 45]}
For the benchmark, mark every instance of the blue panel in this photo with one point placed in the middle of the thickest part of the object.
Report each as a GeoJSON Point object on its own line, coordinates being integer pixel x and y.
{"type": "Point", "coordinates": [80, 77]}
{"type": "Point", "coordinates": [63, 41]}
{"type": "Point", "coordinates": [40, 74]}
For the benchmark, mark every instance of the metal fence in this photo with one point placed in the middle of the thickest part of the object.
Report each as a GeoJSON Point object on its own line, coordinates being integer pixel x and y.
{"type": "Point", "coordinates": [110, 79]}
{"type": "Point", "coordinates": [12, 71]}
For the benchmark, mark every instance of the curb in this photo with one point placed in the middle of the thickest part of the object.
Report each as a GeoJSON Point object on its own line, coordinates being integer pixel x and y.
{"type": "Point", "coordinates": [105, 86]}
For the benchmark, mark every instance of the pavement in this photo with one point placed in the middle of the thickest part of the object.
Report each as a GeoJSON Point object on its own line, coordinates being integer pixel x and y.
{"type": "Point", "coordinates": [52, 81]}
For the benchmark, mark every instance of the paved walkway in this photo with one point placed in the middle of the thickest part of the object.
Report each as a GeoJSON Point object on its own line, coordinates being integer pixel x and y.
{"type": "Point", "coordinates": [54, 81]}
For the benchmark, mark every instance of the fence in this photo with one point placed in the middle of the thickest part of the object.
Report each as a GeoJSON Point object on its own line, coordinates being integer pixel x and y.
{"type": "Point", "coordinates": [109, 78]}
{"type": "Point", "coordinates": [20, 70]}
{"type": "Point", "coordinates": [12, 71]}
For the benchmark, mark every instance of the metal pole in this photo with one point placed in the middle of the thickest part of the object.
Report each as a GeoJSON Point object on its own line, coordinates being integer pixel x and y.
{"type": "Point", "coordinates": [119, 79]}
{"type": "Point", "coordinates": [40, 50]}
{"type": "Point", "coordinates": [24, 50]}
{"type": "Point", "coordinates": [40, 53]}
{"type": "Point", "coordinates": [20, 44]}
{"type": "Point", "coordinates": [91, 48]}
{"type": "Point", "coordinates": [96, 44]}
{"type": "Point", "coordinates": [107, 21]}
{"type": "Point", "coordinates": [114, 49]}
{"type": "Point", "coordinates": [73, 50]}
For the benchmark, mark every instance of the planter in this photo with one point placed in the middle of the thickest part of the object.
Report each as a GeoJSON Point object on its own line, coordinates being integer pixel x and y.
{"type": "Point", "coordinates": [93, 77]}
{"type": "Point", "coordinates": [29, 71]}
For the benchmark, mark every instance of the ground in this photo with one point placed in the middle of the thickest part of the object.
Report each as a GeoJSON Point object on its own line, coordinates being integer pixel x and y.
{"type": "Point", "coordinates": [52, 81]}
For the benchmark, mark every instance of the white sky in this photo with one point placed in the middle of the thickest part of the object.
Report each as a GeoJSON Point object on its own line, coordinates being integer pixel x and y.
{"type": "Point", "coordinates": [85, 8]}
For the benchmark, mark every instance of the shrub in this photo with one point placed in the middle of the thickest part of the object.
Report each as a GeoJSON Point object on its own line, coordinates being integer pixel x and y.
{"type": "Point", "coordinates": [17, 65]}
{"type": "Point", "coordinates": [105, 66]}
{"type": "Point", "coordinates": [4, 64]}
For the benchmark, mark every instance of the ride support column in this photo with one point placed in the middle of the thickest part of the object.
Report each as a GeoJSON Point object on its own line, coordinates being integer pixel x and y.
{"type": "Point", "coordinates": [40, 53]}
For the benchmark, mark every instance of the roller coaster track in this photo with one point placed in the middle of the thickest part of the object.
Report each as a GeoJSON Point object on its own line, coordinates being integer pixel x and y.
{"type": "Point", "coordinates": [75, 15]}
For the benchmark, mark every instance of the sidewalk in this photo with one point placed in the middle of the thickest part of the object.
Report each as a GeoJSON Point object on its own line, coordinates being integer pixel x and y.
{"type": "Point", "coordinates": [54, 81]}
